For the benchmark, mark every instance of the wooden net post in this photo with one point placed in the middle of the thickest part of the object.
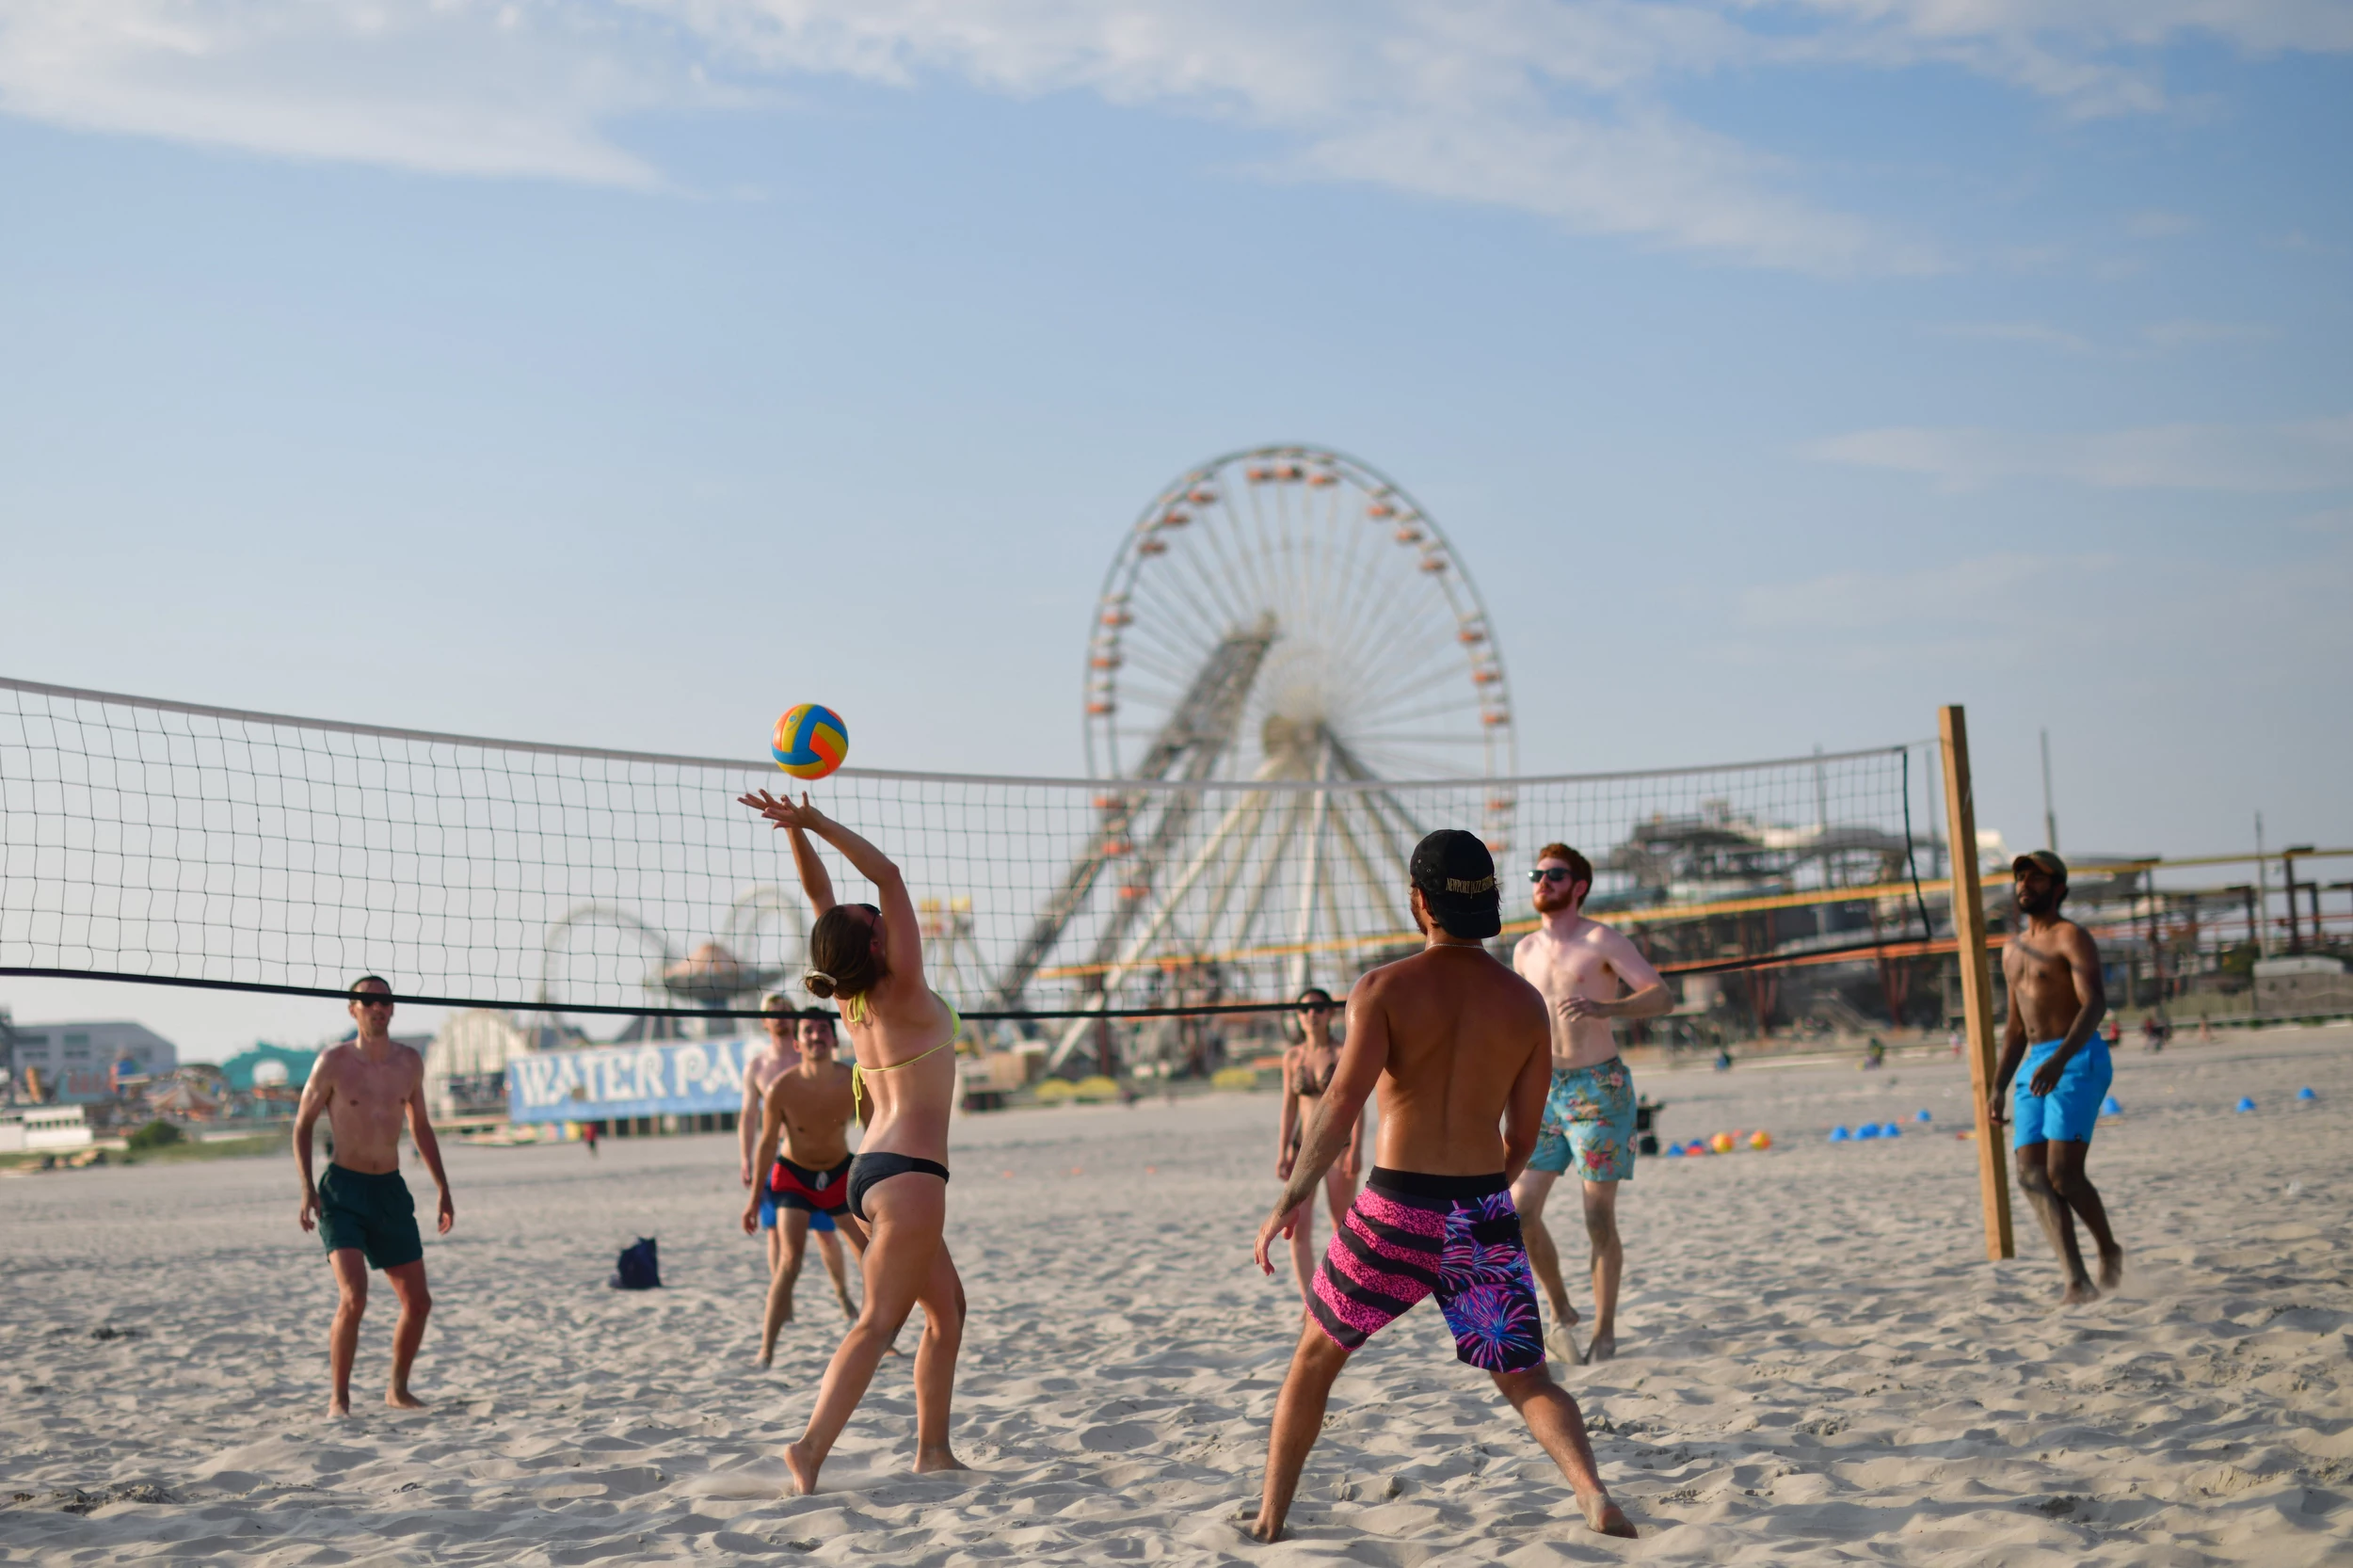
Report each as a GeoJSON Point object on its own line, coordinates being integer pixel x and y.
{"type": "Point", "coordinates": [1976, 983]}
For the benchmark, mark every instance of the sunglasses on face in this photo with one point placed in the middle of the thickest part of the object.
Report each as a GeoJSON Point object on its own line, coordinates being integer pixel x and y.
{"type": "Point", "coordinates": [373, 1000]}
{"type": "Point", "coordinates": [1551, 874]}
{"type": "Point", "coordinates": [1316, 1007]}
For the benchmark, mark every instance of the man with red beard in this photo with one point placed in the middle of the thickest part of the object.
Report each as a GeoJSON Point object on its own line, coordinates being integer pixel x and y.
{"type": "Point", "coordinates": [1589, 974]}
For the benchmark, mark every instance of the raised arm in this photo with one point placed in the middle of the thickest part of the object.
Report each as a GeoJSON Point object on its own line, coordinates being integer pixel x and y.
{"type": "Point", "coordinates": [429, 1150]}
{"type": "Point", "coordinates": [1363, 1055]}
{"type": "Point", "coordinates": [902, 930]}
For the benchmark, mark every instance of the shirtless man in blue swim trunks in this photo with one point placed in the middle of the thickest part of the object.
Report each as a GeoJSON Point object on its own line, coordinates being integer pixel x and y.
{"type": "Point", "coordinates": [2052, 1052]}
{"type": "Point", "coordinates": [1589, 974]}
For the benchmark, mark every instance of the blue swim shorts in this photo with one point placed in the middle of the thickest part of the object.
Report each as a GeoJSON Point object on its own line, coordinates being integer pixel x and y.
{"type": "Point", "coordinates": [819, 1221]}
{"type": "Point", "coordinates": [1589, 1123]}
{"type": "Point", "coordinates": [2069, 1112]}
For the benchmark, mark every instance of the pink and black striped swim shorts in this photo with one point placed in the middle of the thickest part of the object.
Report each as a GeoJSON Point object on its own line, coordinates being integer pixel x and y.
{"type": "Point", "coordinates": [1456, 1237]}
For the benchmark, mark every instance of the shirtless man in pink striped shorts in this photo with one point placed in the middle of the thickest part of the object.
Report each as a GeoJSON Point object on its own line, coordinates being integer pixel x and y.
{"type": "Point", "coordinates": [1456, 1043]}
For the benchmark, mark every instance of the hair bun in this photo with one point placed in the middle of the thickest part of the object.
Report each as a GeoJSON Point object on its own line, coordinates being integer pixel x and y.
{"type": "Point", "coordinates": [820, 983]}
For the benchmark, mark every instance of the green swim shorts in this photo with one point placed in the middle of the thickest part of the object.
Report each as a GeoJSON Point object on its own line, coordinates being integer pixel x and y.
{"type": "Point", "coordinates": [373, 1213]}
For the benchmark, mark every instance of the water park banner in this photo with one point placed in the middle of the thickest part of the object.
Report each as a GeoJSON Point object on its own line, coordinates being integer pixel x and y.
{"type": "Point", "coordinates": [601, 1082]}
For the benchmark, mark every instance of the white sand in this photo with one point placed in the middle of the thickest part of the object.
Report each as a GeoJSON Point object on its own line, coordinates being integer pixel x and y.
{"type": "Point", "coordinates": [1816, 1367]}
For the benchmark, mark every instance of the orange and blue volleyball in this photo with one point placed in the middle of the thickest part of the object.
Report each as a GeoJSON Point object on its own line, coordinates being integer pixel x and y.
{"type": "Point", "coordinates": [810, 740]}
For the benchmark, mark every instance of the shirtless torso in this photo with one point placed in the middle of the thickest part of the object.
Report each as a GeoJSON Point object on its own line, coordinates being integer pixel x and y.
{"type": "Point", "coordinates": [369, 1088]}
{"type": "Point", "coordinates": [1455, 1046]}
{"type": "Point", "coordinates": [2054, 1071]}
{"type": "Point", "coordinates": [1580, 961]}
{"type": "Point", "coordinates": [1590, 975]}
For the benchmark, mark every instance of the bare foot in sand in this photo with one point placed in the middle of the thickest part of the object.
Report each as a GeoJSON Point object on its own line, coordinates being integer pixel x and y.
{"type": "Point", "coordinates": [1562, 1342]}
{"type": "Point", "coordinates": [338, 1410]}
{"type": "Point", "coordinates": [400, 1398]}
{"type": "Point", "coordinates": [927, 1461]}
{"type": "Point", "coordinates": [803, 1469]}
{"type": "Point", "coordinates": [1605, 1516]}
{"type": "Point", "coordinates": [1262, 1531]}
{"type": "Point", "coordinates": [2111, 1269]}
{"type": "Point", "coordinates": [1604, 1348]}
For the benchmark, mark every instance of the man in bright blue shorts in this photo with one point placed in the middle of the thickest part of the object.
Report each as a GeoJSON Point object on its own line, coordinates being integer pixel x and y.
{"type": "Point", "coordinates": [1589, 974]}
{"type": "Point", "coordinates": [2052, 1052]}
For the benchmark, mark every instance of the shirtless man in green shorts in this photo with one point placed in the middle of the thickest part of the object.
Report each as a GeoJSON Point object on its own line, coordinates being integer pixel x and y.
{"type": "Point", "coordinates": [805, 1151]}
{"type": "Point", "coordinates": [361, 1207]}
{"type": "Point", "coordinates": [2052, 971]}
{"type": "Point", "coordinates": [1589, 974]}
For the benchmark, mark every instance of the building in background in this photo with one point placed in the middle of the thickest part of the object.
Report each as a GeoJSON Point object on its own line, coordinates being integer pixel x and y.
{"type": "Point", "coordinates": [465, 1066]}
{"type": "Point", "coordinates": [268, 1066]}
{"type": "Point", "coordinates": [72, 1064]}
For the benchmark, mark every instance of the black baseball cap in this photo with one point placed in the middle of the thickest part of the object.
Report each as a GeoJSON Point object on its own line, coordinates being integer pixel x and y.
{"type": "Point", "coordinates": [1457, 879]}
{"type": "Point", "coordinates": [2042, 861]}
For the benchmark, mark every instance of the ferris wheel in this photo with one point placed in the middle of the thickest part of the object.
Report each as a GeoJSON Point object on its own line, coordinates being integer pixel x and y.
{"type": "Point", "coordinates": [1377, 636]}
{"type": "Point", "coordinates": [1281, 616]}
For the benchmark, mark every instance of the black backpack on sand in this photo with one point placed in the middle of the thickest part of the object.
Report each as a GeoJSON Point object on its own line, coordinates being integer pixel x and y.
{"type": "Point", "coordinates": [638, 1268]}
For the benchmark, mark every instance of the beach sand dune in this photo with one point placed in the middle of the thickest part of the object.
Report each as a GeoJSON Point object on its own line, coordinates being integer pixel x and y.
{"type": "Point", "coordinates": [1817, 1363]}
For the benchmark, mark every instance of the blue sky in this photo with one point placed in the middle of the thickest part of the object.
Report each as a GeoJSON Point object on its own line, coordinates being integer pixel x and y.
{"type": "Point", "coordinates": [623, 372]}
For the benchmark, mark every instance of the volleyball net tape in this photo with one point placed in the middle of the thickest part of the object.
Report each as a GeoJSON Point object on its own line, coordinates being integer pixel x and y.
{"type": "Point", "coordinates": [169, 843]}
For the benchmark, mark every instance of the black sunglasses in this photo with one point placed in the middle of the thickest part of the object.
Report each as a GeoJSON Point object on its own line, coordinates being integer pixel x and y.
{"type": "Point", "coordinates": [1316, 1007]}
{"type": "Point", "coordinates": [373, 999]}
{"type": "Point", "coordinates": [1551, 874]}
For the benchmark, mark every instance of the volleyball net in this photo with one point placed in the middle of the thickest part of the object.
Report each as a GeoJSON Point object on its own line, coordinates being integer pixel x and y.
{"type": "Point", "coordinates": [170, 843]}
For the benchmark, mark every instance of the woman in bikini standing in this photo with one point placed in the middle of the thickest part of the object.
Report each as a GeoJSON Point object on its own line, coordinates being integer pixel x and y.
{"type": "Point", "coordinates": [903, 1082]}
{"type": "Point", "coordinates": [1307, 1069]}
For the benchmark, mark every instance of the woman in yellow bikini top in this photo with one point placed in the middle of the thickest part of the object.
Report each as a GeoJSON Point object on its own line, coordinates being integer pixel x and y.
{"type": "Point", "coordinates": [855, 1012]}
{"type": "Point", "coordinates": [871, 958]}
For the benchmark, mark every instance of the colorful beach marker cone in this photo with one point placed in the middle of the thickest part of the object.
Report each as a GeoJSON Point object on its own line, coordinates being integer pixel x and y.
{"type": "Point", "coordinates": [2109, 1108]}
{"type": "Point", "coordinates": [1890, 1129]}
{"type": "Point", "coordinates": [1839, 1135]}
{"type": "Point", "coordinates": [1674, 1151]}
{"type": "Point", "coordinates": [1921, 1115]}
{"type": "Point", "coordinates": [1868, 1129]}
{"type": "Point", "coordinates": [2246, 1103]}
{"type": "Point", "coordinates": [2306, 1094]}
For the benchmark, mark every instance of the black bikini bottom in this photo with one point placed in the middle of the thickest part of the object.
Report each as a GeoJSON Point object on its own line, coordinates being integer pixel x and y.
{"type": "Point", "coordinates": [867, 1169]}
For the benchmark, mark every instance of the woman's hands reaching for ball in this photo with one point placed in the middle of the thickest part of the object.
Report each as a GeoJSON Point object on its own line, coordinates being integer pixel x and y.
{"type": "Point", "coordinates": [781, 812]}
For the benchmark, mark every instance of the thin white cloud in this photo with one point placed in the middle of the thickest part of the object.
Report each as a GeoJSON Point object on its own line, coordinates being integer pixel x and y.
{"type": "Point", "coordinates": [1555, 108]}
{"type": "Point", "coordinates": [2184, 333]}
{"type": "Point", "coordinates": [2311, 455]}
{"type": "Point", "coordinates": [2037, 332]}
{"type": "Point", "coordinates": [2157, 224]}
{"type": "Point", "coordinates": [1971, 593]}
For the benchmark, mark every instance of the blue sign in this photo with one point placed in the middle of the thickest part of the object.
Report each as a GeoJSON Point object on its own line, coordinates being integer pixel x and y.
{"type": "Point", "coordinates": [601, 1083]}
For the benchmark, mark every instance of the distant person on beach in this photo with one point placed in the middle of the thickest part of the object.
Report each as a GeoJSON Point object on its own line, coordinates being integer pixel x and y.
{"type": "Point", "coordinates": [361, 1207]}
{"type": "Point", "coordinates": [588, 1135]}
{"type": "Point", "coordinates": [1589, 975]}
{"type": "Point", "coordinates": [1455, 1043]}
{"type": "Point", "coordinates": [1308, 1069]}
{"type": "Point", "coordinates": [805, 1149]}
{"type": "Point", "coordinates": [2052, 969]}
{"type": "Point", "coordinates": [780, 1055]}
{"type": "Point", "coordinates": [902, 1036]}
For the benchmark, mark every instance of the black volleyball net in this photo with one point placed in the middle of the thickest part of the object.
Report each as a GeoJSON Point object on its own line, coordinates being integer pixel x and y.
{"type": "Point", "coordinates": [187, 845]}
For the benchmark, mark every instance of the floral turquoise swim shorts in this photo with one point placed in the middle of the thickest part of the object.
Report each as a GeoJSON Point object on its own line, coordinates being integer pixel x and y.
{"type": "Point", "coordinates": [1589, 1123]}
